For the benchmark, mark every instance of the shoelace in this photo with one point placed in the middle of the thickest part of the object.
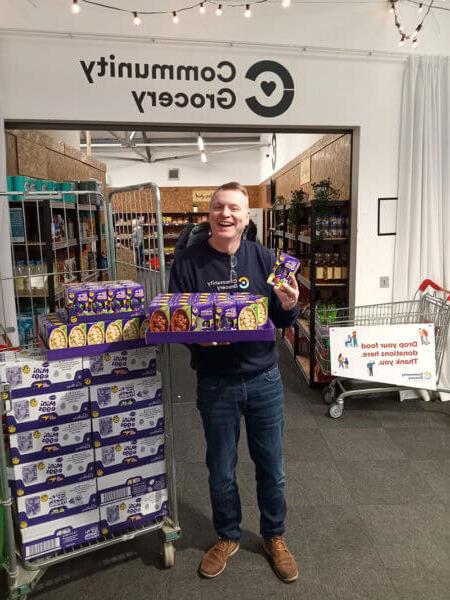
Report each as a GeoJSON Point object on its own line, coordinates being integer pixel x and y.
{"type": "Point", "coordinates": [279, 544]}
{"type": "Point", "coordinates": [222, 545]}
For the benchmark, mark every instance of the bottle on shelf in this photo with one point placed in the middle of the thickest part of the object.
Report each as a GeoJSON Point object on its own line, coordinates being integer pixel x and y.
{"type": "Point", "coordinates": [319, 266]}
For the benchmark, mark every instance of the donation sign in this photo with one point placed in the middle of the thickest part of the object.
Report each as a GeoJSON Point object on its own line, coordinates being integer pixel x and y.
{"type": "Point", "coordinates": [403, 355]}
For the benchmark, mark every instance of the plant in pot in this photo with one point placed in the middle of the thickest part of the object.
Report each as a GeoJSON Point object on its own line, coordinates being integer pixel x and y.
{"type": "Point", "coordinates": [324, 193]}
{"type": "Point", "coordinates": [298, 199]}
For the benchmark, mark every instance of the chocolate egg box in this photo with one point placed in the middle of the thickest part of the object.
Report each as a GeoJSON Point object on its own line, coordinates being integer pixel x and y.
{"type": "Point", "coordinates": [142, 422]}
{"type": "Point", "coordinates": [284, 268]}
{"type": "Point", "coordinates": [107, 299]}
{"type": "Point", "coordinates": [121, 396]}
{"type": "Point", "coordinates": [125, 515]}
{"type": "Point", "coordinates": [132, 482]}
{"type": "Point", "coordinates": [225, 314]}
{"type": "Point", "coordinates": [33, 477]}
{"type": "Point", "coordinates": [128, 454]}
{"type": "Point", "coordinates": [55, 503]}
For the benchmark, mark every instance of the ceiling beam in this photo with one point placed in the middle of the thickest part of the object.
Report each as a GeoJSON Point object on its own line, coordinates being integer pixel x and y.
{"type": "Point", "coordinates": [126, 144]}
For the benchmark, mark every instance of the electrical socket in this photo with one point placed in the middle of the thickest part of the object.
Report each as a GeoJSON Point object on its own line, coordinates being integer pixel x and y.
{"type": "Point", "coordinates": [384, 282]}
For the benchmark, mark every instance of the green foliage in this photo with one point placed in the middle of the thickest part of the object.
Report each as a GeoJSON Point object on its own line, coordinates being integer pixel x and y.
{"type": "Point", "coordinates": [298, 199]}
{"type": "Point", "coordinates": [324, 191]}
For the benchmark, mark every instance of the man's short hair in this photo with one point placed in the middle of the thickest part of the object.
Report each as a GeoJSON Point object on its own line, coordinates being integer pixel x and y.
{"type": "Point", "coordinates": [234, 186]}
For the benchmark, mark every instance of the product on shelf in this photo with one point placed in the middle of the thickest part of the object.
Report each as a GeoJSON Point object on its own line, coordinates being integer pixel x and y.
{"type": "Point", "coordinates": [33, 477]}
{"type": "Point", "coordinates": [284, 268]}
{"type": "Point", "coordinates": [118, 517]}
{"type": "Point", "coordinates": [43, 410]}
{"type": "Point", "coordinates": [114, 428]}
{"type": "Point", "coordinates": [127, 454]}
{"type": "Point", "coordinates": [28, 372]}
{"type": "Point", "coordinates": [59, 535]}
{"type": "Point", "coordinates": [132, 481]}
{"type": "Point", "coordinates": [120, 364]}
{"type": "Point", "coordinates": [53, 503]}
{"type": "Point", "coordinates": [28, 446]}
{"type": "Point", "coordinates": [127, 395]}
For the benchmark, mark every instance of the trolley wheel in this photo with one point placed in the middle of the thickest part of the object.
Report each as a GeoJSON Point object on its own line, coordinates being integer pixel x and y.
{"type": "Point", "coordinates": [329, 394]}
{"type": "Point", "coordinates": [335, 411]}
{"type": "Point", "coordinates": [168, 553]}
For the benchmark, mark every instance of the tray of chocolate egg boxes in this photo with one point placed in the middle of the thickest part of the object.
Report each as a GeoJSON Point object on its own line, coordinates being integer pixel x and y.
{"type": "Point", "coordinates": [198, 318]}
{"type": "Point", "coordinates": [97, 318]}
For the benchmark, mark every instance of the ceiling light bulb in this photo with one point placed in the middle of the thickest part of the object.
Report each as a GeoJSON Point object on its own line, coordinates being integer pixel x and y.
{"type": "Point", "coordinates": [75, 7]}
{"type": "Point", "coordinates": [402, 41]}
{"type": "Point", "coordinates": [137, 18]}
{"type": "Point", "coordinates": [203, 157]}
{"type": "Point", "coordinates": [391, 10]}
{"type": "Point", "coordinates": [285, 3]}
{"type": "Point", "coordinates": [219, 10]}
{"type": "Point", "coordinates": [201, 145]}
{"type": "Point", "coordinates": [420, 7]}
{"type": "Point", "coordinates": [414, 43]}
{"type": "Point", "coordinates": [175, 17]}
{"type": "Point", "coordinates": [248, 12]}
{"type": "Point", "coordinates": [202, 8]}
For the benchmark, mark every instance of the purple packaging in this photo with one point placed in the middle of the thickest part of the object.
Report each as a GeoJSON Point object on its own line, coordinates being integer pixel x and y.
{"type": "Point", "coordinates": [114, 428]}
{"type": "Point", "coordinates": [59, 535]}
{"type": "Point", "coordinates": [43, 410]}
{"type": "Point", "coordinates": [123, 364]}
{"type": "Point", "coordinates": [53, 503]}
{"type": "Point", "coordinates": [130, 483]}
{"type": "Point", "coordinates": [119, 517]}
{"type": "Point", "coordinates": [107, 399]}
{"type": "Point", "coordinates": [202, 314]}
{"type": "Point", "coordinates": [34, 477]}
{"type": "Point", "coordinates": [180, 315]}
{"type": "Point", "coordinates": [247, 313]}
{"type": "Point", "coordinates": [159, 316]}
{"type": "Point", "coordinates": [284, 268]}
{"type": "Point", "coordinates": [28, 446]}
{"type": "Point", "coordinates": [52, 331]}
{"type": "Point", "coordinates": [128, 454]}
{"type": "Point", "coordinates": [225, 314]}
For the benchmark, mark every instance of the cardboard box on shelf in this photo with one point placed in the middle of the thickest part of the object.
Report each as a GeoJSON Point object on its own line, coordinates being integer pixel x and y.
{"type": "Point", "coordinates": [132, 482]}
{"type": "Point", "coordinates": [130, 394]}
{"type": "Point", "coordinates": [128, 454]}
{"type": "Point", "coordinates": [129, 364]}
{"type": "Point", "coordinates": [119, 426]}
{"type": "Point", "coordinates": [124, 515]}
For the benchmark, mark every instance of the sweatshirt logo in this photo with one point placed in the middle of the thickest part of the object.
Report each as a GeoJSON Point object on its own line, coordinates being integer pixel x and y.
{"type": "Point", "coordinates": [243, 283]}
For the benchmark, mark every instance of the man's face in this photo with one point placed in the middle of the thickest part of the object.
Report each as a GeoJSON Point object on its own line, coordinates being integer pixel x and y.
{"type": "Point", "coordinates": [228, 215]}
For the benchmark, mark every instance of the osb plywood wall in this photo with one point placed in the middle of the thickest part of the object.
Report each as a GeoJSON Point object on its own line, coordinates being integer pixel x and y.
{"type": "Point", "coordinates": [173, 199]}
{"type": "Point", "coordinates": [34, 154]}
{"type": "Point", "coordinates": [329, 158]}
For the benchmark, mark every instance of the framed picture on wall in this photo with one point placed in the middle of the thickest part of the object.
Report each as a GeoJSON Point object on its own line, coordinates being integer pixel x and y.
{"type": "Point", "coordinates": [387, 216]}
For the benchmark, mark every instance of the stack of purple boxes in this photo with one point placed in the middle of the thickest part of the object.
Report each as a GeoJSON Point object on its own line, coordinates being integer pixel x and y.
{"type": "Point", "coordinates": [86, 438]}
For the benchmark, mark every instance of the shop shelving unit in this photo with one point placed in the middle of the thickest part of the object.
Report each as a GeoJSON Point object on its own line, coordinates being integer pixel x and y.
{"type": "Point", "coordinates": [22, 576]}
{"type": "Point", "coordinates": [314, 241]}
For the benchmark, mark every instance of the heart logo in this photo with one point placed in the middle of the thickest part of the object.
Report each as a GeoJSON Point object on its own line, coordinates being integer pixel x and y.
{"type": "Point", "coordinates": [268, 87]}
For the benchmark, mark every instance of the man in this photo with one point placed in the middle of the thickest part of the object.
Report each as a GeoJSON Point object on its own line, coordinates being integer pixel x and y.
{"type": "Point", "coordinates": [239, 379]}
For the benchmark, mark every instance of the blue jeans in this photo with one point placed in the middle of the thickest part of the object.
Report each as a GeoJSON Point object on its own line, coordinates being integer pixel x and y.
{"type": "Point", "coordinates": [222, 401]}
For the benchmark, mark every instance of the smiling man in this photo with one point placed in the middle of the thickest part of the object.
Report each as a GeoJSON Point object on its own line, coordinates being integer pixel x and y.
{"type": "Point", "coordinates": [240, 379]}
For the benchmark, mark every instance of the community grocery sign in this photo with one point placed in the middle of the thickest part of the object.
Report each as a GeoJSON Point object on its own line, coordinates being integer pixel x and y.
{"type": "Point", "coordinates": [402, 355]}
{"type": "Point", "coordinates": [213, 86]}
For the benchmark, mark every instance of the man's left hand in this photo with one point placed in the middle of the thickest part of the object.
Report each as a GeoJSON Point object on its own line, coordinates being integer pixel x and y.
{"type": "Point", "coordinates": [288, 294]}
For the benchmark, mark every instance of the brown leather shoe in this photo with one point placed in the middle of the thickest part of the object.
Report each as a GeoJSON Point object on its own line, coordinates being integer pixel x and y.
{"type": "Point", "coordinates": [283, 562]}
{"type": "Point", "coordinates": [215, 559]}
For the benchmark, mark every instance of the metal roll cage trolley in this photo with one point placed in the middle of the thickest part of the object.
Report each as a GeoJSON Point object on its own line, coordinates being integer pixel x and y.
{"type": "Point", "coordinates": [425, 307]}
{"type": "Point", "coordinates": [22, 575]}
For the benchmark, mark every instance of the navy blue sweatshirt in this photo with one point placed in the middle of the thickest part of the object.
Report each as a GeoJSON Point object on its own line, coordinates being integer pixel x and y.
{"type": "Point", "coordinates": [200, 268]}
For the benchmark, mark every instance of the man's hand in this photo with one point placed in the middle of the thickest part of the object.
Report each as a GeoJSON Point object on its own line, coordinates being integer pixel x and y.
{"type": "Point", "coordinates": [288, 294]}
{"type": "Point", "coordinates": [206, 344]}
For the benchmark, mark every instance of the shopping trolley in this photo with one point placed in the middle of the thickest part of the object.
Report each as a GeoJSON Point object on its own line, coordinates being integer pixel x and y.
{"type": "Point", "coordinates": [425, 307]}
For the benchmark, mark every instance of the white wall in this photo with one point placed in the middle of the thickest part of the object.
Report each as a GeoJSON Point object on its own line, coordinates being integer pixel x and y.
{"type": "Point", "coordinates": [242, 166]}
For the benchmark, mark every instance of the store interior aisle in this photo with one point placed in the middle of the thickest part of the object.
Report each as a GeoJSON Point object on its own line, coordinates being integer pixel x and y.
{"type": "Point", "coordinates": [368, 500]}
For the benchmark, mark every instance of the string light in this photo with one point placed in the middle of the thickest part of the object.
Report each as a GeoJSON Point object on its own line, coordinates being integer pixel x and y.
{"type": "Point", "coordinates": [75, 7]}
{"type": "Point", "coordinates": [201, 145]}
{"type": "Point", "coordinates": [414, 43]}
{"type": "Point", "coordinates": [248, 12]}
{"type": "Point", "coordinates": [285, 3]}
{"type": "Point", "coordinates": [137, 18]}
{"type": "Point", "coordinates": [413, 36]}
{"type": "Point", "coordinates": [391, 10]}
{"type": "Point", "coordinates": [219, 10]}
{"type": "Point", "coordinates": [203, 157]}
{"type": "Point", "coordinates": [402, 41]}
{"type": "Point", "coordinates": [202, 8]}
{"type": "Point", "coordinates": [175, 18]}
{"type": "Point", "coordinates": [420, 8]}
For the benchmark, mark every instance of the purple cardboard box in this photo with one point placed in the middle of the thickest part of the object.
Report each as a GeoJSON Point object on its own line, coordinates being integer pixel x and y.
{"type": "Point", "coordinates": [120, 426]}
{"type": "Point", "coordinates": [202, 314]}
{"type": "Point", "coordinates": [128, 454]}
{"type": "Point", "coordinates": [119, 517]}
{"type": "Point", "coordinates": [60, 535]}
{"type": "Point", "coordinates": [131, 394]}
{"type": "Point", "coordinates": [159, 316]}
{"type": "Point", "coordinates": [52, 331]}
{"type": "Point", "coordinates": [285, 267]}
{"type": "Point", "coordinates": [132, 482]}
{"type": "Point", "coordinates": [180, 315]}
{"type": "Point", "coordinates": [225, 314]}
{"type": "Point", "coordinates": [123, 364]}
